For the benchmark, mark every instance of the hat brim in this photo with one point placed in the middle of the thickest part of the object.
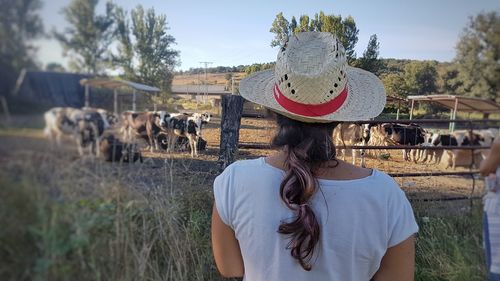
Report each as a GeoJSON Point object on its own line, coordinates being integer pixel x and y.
{"type": "Point", "coordinates": [366, 96]}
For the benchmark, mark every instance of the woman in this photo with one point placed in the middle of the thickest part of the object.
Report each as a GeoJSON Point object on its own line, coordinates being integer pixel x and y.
{"type": "Point", "coordinates": [302, 214]}
{"type": "Point", "coordinates": [490, 168]}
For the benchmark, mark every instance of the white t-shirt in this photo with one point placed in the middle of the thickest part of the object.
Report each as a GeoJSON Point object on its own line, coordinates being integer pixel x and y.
{"type": "Point", "coordinates": [359, 219]}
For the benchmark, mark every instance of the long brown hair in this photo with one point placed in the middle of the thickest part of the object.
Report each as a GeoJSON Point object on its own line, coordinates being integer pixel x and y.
{"type": "Point", "coordinates": [307, 147]}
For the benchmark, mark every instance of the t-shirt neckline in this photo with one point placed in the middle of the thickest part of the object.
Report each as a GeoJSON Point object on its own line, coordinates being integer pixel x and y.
{"type": "Point", "coordinates": [320, 180]}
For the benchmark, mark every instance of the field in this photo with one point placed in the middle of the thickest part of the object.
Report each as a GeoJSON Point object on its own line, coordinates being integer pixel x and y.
{"type": "Point", "coordinates": [212, 78]}
{"type": "Point", "coordinates": [66, 217]}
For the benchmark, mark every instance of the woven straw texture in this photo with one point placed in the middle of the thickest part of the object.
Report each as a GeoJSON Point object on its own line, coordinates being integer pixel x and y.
{"type": "Point", "coordinates": [311, 69]}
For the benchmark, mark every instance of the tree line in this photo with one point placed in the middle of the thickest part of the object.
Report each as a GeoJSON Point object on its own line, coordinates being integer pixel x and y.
{"type": "Point", "coordinates": [137, 45]}
{"type": "Point", "coordinates": [475, 70]}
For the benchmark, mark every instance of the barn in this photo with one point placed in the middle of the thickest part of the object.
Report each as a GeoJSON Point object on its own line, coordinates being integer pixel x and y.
{"type": "Point", "coordinates": [49, 89]}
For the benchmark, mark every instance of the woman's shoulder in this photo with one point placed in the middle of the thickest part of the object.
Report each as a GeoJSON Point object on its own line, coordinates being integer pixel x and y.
{"type": "Point", "coordinates": [243, 166]}
{"type": "Point", "coordinates": [247, 163]}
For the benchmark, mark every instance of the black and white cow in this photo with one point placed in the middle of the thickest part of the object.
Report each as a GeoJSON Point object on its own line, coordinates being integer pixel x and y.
{"type": "Point", "coordinates": [84, 126]}
{"type": "Point", "coordinates": [458, 138]}
{"type": "Point", "coordinates": [109, 118]}
{"type": "Point", "coordinates": [183, 125]}
{"type": "Point", "coordinates": [404, 134]}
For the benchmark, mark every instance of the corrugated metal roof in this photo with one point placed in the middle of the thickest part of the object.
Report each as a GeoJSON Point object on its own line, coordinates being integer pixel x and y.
{"type": "Point", "coordinates": [50, 88]}
{"type": "Point", "coordinates": [199, 89]}
{"type": "Point", "coordinates": [115, 83]}
{"type": "Point", "coordinates": [464, 104]}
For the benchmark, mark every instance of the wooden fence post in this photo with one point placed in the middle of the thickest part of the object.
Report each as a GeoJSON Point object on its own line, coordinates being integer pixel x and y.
{"type": "Point", "coordinates": [232, 108]}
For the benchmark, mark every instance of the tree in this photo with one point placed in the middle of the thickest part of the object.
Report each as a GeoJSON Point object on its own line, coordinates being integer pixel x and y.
{"type": "Point", "coordinates": [20, 24]}
{"type": "Point", "coordinates": [149, 57]}
{"type": "Point", "coordinates": [281, 30]}
{"type": "Point", "coordinates": [420, 77]}
{"type": "Point", "coordinates": [54, 66]}
{"type": "Point", "coordinates": [303, 24]}
{"type": "Point", "coordinates": [345, 30]}
{"type": "Point", "coordinates": [349, 37]}
{"type": "Point", "coordinates": [478, 57]}
{"type": "Point", "coordinates": [370, 61]}
{"type": "Point", "coordinates": [449, 83]}
{"type": "Point", "coordinates": [394, 84]}
{"type": "Point", "coordinates": [86, 41]}
{"type": "Point", "coordinates": [293, 24]}
{"type": "Point", "coordinates": [229, 80]}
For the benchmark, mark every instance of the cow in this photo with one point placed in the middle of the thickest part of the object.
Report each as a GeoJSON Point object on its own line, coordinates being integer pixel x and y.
{"type": "Point", "coordinates": [403, 134]}
{"type": "Point", "coordinates": [374, 135]}
{"type": "Point", "coordinates": [109, 118]}
{"type": "Point", "coordinates": [464, 138]}
{"type": "Point", "coordinates": [145, 125]}
{"type": "Point", "coordinates": [84, 127]}
{"type": "Point", "coordinates": [60, 121]}
{"type": "Point", "coordinates": [184, 125]}
{"type": "Point", "coordinates": [90, 128]}
{"type": "Point", "coordinates": [348, 134]}
{"type": "Point", "coordinates": [114, 150]}
{"type": "Point", "coordinates": [428, 155]}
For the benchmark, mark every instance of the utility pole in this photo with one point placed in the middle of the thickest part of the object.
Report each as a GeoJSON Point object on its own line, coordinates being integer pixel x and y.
{"type": "Point", "coordinates": [206, 63]}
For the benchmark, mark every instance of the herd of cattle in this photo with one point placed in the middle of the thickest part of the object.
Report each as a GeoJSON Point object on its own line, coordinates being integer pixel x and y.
{"type": "Point", "coordinates": [394, 134]}
{"type": "Point", "coordinates": [97, 129]}
{"type": "Point", "coordinates": [114, 137]}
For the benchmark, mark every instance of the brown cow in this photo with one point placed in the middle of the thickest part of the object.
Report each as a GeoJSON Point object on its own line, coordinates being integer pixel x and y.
{"type": "Point", "coordinates": [145, 125]}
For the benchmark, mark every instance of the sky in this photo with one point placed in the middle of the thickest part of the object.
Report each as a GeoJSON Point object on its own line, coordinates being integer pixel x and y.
{"type": "Point", "coordinates": [231, 33]}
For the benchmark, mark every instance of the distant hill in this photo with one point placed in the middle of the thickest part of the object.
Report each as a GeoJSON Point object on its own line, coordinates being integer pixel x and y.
{"type": "Point", "coordinates": [212, 78]}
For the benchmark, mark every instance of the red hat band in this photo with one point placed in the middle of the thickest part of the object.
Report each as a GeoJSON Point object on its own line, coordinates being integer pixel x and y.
{"type": "Point", "coordinates": [310, 110]}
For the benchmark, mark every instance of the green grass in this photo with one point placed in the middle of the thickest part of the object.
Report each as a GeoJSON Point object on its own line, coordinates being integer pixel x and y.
{"type": "Point", "coordinates": [78, 223]}
{"type": "Point", "coordinates": [450, 247]}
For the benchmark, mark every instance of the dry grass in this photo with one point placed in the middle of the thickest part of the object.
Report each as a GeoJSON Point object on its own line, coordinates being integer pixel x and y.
{"type": "Point", "coordinates": [65, 217]}
{"type": "Point", "coordinates": [212, 78]}
{"type": "Point", "coordinates": [87, 220]}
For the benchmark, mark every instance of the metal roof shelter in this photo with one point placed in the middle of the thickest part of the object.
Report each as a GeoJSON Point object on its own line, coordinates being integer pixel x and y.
{"type": "Point", "coordinates": [49, 88]}
{"type": "Point", "coordinates": [458, 103]}
{"type": "Point", "coordinates": [114, 84]}
{"type": "Point", "coordinates": [395, 100]}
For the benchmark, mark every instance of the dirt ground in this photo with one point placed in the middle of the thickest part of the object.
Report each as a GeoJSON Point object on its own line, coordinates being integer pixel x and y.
{"type": "Point", "coordinates": [30, 144]}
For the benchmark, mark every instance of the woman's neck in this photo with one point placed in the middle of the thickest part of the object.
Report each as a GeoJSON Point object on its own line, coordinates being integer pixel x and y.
{"type": "Point", "coordinates": [334, 169]}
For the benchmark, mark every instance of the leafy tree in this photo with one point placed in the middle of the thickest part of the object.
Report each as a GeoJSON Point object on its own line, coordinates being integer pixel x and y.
{"type": "Point", "coordinates": [293, 24]}
{"type": "Point", "coordinates": [349, 37]}
{"type": "Point", "coordinates": [345, 29]}
{"type": "Point", "coordinates": [258, 67]}
{"type": "Point", "coordinates": [228, 76]}
{"type": "Point", "coordinates": [448, 81]}
{"type": "Point", "coordinates": [393, 65]}
{"type": "Point", "coordinates": [20, 23]}
{"type": "Point", "coordinates": [86, 41]}
{"type": "Point", "coordinates": [303, 24]}
{"type": "Point", "coordinates": [420, 77]}
{"type": "Point", "coordinates": [281, 30]}
{"type": "Point", "coordinates": [54, 66]}
{"type": "Point", "coordinates": [148, 57]}
{"type": "Point", "coordinates": [395, 85]}
{"type": "Point", "coordinates": [370, 61]}
{"type": "Point", "coordinates": [478, 56]}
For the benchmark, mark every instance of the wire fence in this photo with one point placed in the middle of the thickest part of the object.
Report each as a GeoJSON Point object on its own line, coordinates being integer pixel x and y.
{"type": "Point", "coordinates": [470, 125]}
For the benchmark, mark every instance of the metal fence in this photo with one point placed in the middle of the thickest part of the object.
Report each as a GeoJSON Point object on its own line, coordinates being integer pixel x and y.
{"type": "Point", "coordinates": [469, 125]}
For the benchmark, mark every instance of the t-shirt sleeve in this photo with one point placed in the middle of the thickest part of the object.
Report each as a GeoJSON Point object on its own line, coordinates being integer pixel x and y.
{"type": "Point", "coordinates": [401, 221]}
{"type": "Point", "coordinates": [223, 195]}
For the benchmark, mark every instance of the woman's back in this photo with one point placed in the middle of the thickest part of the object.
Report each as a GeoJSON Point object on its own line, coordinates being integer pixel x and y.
{"type": "Point", "coordinates": [359, 219]}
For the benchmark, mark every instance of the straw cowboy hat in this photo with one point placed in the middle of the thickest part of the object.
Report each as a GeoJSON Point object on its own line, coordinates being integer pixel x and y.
{"type": "Point", "coordinates": [312, 82]}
